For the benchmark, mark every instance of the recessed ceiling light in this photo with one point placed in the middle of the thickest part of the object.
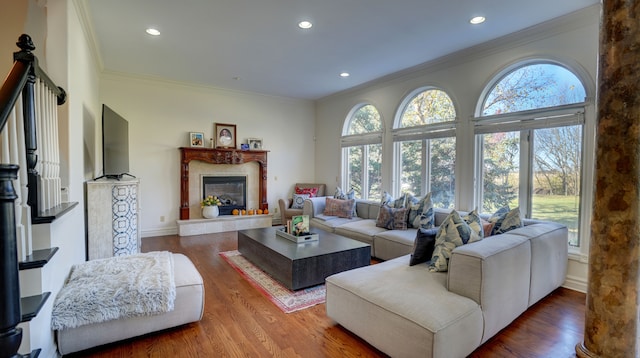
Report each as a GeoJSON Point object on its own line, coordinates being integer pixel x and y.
{"type": "Point", "coordinates": [344, 74]}
{"type": "Point", "coordinates": [305, 24]}
{"type": "Point", "coordinates": [477, 20]}
{"type": "Point", "coordinates": [153, 32]}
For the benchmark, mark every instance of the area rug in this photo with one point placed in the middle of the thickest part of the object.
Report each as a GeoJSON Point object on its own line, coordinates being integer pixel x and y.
{"type": "Point", "coordinates": [288, 301]}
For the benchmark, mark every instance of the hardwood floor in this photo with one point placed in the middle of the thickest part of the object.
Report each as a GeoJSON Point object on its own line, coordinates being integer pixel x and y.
{"type": "Point", "coordinates": [239, 322]}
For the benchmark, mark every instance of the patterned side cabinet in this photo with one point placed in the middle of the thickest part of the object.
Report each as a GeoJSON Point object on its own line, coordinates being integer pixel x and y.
{"type": "Point", "coordinates": [112, 218]}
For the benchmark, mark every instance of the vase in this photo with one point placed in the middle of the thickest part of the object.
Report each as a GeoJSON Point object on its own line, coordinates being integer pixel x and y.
{"type": "Point", "coordinates": [210, 212]}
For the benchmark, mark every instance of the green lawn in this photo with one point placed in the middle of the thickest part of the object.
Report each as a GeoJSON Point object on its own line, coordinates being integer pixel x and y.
{"type": "Point", "coordinates": [558, 208]}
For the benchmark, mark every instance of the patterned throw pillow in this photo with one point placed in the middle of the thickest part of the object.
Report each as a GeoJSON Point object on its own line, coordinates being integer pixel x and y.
{"type": "Point", "coordinates": [505, 220]}
{"type": "Point", "coordinates": [422, 214]}
{"type": "Point", "coordinates": [341, 194]}
{"type": "Point", "coordinates": [298, 200]}
{"type": "Point", "coordinates": [475, 224]}
{"type": "Point", "coordinates": [454, 231]}
{"type": "Point", "coordinates": [340, 208]}
{"type": "Point", "coordinates": [351, 194]}
{"type": "Point", "coordinates": [386, 199]}
{"type": "Point", "coordinates": [401, 202]}
{"type": "Point", "coordinates": [423, 246]}
{"type": "Point", "coordinates": [392, 218]}
{"type": "Point", "coordinates": [313, 192]}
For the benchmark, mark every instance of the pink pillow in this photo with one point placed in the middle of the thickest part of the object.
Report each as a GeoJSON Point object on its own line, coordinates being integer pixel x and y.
{"type": "Point", "coordinates": [313, 192]}
{"type": "Point", "coordinates": [339, 207]}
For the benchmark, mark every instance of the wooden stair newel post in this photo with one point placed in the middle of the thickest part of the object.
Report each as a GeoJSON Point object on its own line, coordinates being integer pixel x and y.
{"type": "Point", "coordinates": [10, 314]}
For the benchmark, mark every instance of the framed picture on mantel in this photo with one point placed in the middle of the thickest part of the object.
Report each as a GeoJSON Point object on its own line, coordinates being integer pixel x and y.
{"type": "Point", "coordinates": [196, 139]}
{"type": "Point", "coordinates": [225, 135]}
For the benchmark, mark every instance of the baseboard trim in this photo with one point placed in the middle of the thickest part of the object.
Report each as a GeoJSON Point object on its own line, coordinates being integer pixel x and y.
{"type": "Point", "coordinates": [160, 232]}
{"type": "Point", "coordinates": [575, 283]}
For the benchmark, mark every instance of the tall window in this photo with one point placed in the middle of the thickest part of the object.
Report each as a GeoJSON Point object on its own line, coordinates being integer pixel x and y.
{"type": "Point", "coordinates": [362, 152]}
{"type": "Point", "coordinates": [424, 136]}
{"type": "Point", "coordinates": [530, 138]}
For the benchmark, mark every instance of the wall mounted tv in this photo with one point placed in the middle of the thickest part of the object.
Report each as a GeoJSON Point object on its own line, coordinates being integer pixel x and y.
{"type": "Point", "coordinates": [115, 145]}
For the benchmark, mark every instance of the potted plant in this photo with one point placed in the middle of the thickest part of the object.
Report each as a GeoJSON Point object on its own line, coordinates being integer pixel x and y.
{"type": "Point", "coordinates": [210, 206]}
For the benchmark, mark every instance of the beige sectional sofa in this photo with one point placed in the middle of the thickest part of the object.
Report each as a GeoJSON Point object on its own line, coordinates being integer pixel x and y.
{"type": "Point", "coordinates": [408, 311]}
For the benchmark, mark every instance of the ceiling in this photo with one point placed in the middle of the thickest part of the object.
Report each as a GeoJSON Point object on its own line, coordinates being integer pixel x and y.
{"type": "Point", "coordinates": [256, 45]}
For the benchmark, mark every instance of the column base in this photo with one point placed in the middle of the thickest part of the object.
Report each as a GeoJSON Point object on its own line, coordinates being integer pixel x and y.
{"type": "Point", "coordinates": [583, 352]}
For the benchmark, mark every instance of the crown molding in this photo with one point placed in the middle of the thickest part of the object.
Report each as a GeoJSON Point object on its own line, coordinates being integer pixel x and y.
{"type": "Point", "coordinates": [87, 27]}
{"type": "Point", "coordinates": [154, 81]}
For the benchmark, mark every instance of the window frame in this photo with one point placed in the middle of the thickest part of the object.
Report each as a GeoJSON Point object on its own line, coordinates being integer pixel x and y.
{"type": "Point", "coordinates": [424, 133]}
{"type": "Point", "coordinates": [364, 140]}
{"type": "Point", "coordinates": [581, 113]}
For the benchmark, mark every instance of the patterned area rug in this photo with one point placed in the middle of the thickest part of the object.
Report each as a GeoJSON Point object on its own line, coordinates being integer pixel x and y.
{"type": "Point", "coordinates": [288, 301]}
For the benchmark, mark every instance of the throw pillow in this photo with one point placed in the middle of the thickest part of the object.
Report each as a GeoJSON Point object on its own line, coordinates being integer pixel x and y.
{"type": "Point", "coordinates": [505, 220]}
{"type": "Point", "coordinates": [341, 194]}
{"type": "Point", "coordinates": [386, 199]}
{"type": "Point", "coordinates": [339, 207]}
{"type": "Point", "coordinates": [412, 201]}
{"type": "Point", "coordinates": [351, 194]}
{"type": "Point", "coordinates": [392, 218]}
{"type": "Point", "coordinates": [486, 227]}
{"type": "Point", "coordinates": [422, 213]}
{"type": "Point", "coordinates": [475, 224]}
{"type": "Point", "coordinates": [298, 200]}
{"type": "Point", "coordinates": [453, 232]}
{"type": "Point", "coordinates": [423, 246]}
{"type": "Point", "coordinates": [401, 202]}
{"type": "Point", "coordinates": [313, 192]}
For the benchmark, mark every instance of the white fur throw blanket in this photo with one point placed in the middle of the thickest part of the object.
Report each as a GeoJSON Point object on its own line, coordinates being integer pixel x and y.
{"type": "Point", "coordinates": [113, 288]}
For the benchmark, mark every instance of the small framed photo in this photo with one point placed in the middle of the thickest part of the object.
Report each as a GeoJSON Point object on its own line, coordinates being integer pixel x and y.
{"type": "Point", "coordinates": [255, 143]}
{"type": "Point", "coordinates": [225, 135]}
{"type": "Point", "coordinates": [196, 139]}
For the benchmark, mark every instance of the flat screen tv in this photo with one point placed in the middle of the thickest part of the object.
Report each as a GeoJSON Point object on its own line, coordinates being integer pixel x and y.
{"type": "Point", "coordinates": [115, 144]}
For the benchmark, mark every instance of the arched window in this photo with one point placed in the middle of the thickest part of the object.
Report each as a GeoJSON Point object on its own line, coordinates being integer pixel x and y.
{"type": "Point", "coordinates": [425, 146]}
{"type": "Point", "coordinates": [362, 152]}
{"type": "Point", "coordinates": [530, 142]}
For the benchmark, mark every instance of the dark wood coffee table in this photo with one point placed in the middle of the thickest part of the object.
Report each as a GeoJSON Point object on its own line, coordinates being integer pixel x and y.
{"type": "Point", "coordinates": [302, 265]}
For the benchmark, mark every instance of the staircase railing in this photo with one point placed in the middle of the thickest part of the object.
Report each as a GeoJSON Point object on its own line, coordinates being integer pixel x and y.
{"type": "Point", "coordinates": [19, 143]}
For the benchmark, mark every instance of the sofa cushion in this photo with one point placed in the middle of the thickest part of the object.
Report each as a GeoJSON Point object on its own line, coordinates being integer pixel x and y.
{"type": "Point", "coordinates": [423, 246]}
{"type": "Point", "coordinates": [361, 230]}
{"type": "Point", "coordinates": [454, 231]}
{"type": "Point", "coordinates": [404, 311]}
{"type": "Point", "coordinates": [340, 208]}
{"type": "Point", "coordinates": [298, 200]}
{"type": "Point", "coordinates": [394, 243]}
{"type": "Point", "coordinates": [392, 218]}
{"type": "Point", "coordinates": [331, 225]}
{"type": "Point", "coordinates": [505, 220]}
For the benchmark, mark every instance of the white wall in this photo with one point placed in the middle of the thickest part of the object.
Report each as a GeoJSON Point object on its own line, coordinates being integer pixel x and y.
{"type": "Point", "coordinates": [572, 40]}
{"type": "Point", "coordinates": [161, 114]}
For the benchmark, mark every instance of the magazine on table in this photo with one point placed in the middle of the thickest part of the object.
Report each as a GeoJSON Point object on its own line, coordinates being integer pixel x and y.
{"type": "Point", "coordinates": [300, 225]}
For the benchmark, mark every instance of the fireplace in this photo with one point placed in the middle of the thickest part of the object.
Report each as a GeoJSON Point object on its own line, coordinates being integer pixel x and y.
{"type": "Point", "coordinates": [197, 162]}
{"type": "Point", "coordinates": [231, 190]}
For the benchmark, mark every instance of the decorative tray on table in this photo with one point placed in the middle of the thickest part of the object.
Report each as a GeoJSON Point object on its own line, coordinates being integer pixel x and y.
{"type": "Point", "coordinates": [297, 239]}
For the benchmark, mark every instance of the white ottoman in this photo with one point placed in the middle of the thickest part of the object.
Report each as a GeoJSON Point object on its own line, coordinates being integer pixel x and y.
{"type": "Point", "coordinates": [189, 307]}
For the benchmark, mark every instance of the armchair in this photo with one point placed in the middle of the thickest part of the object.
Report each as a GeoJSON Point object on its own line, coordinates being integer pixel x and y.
{"type": "Point", "coordinates": [286, 212]}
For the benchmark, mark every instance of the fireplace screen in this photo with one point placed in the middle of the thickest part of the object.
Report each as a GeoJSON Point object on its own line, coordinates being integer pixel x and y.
{"type": "Point", "coordinates": [231, 190]}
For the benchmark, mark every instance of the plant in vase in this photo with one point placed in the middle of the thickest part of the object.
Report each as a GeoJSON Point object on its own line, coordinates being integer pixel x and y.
{"type": "Point", "coordinates": [210, 206]}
